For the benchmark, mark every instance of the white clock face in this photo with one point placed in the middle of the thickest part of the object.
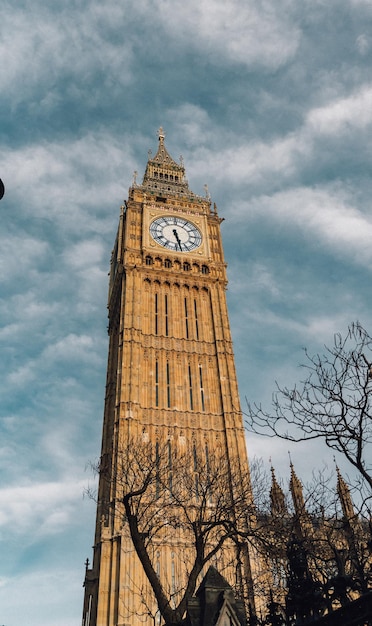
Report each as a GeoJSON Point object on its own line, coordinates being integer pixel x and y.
{"type": "Point", "coordinates": [175, 233]}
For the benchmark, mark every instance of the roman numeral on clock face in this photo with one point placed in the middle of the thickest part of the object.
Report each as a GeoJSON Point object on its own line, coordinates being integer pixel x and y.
{"type": "Point", "coordinates": [175, 233]}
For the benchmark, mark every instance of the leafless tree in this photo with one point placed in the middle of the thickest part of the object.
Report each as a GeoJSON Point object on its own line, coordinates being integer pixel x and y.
{"type": "Point", "coordinates": [333, 402]}
{"type": "Point", "coordinates": [337, 541]}
{"type": "Point", "coordinates": [164, 492]}
{"type": "Point", "coordinates": [319, 559]}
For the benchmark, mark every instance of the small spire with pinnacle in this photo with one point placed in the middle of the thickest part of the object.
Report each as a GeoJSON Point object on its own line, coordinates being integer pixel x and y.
{"type": "Point", "coordinates": [295, 486]}
{"type": "Point", "coordinates": [163, 174]}
{"type": "Point", "coordinates": [345, 497]}
{"type": "Point", "coordinates": [162, 157]}
{"type": "Point", "coordinates": [277, 498]}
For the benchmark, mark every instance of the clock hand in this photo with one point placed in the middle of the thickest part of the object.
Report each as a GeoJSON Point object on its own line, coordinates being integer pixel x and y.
{"type": "Point", "coordinates": [175, 233]}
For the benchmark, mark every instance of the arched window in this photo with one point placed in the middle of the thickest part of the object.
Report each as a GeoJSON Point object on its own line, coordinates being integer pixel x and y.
{"type": "Point", "coordinates": [170, 467]}
{"type": "Point", "coordinates": [148, 260]}
{"type": "Point", "coordinates": [156, 327]}
{"type": "Point", "coordinates": [156, 383]}
{"type": "Point", "coordinates": [205, 269]}
{"type": "Point", "coordinates": [166, 315]}
{"type": "Point", "coordinates": [186, 266]}
{"type": "Point", "coordinates": [186, 318]}
{"type": "Point", "coordinates": [168, 386]}
{"type": "Point", "coordinates": [196, 319]}
{"type": "Point", "coordinates": [196, 472]}
{"type": "Point", "coordinates": [190, 390]}
{"type": "Point", "coordinates": [167, 263]}
{"type": "Point", "coordinates": [202, 398]}
{"type": "Point", "coordinates": [157, 461]}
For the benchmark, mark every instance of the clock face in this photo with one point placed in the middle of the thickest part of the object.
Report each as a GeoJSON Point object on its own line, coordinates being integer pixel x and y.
{"type": "Point", "coordinates": [175, 233]}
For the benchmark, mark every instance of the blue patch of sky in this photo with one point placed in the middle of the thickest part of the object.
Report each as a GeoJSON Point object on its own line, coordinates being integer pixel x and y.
{"type": "Point", "coordinates": [85, 87]}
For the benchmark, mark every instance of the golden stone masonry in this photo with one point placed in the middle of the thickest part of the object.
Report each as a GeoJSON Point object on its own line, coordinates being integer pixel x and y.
{"type": "Point", "coordinates": [172, 418]}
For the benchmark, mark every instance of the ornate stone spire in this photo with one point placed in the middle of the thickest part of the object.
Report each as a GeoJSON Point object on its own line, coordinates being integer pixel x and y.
{"type": "Point", "coordinates": [278, 505]}
{"type": "Point", "coordinates": [303, 526]}
{"type": "Point", "coordinates": [162, 156]}
{"type": "Point", "coordinates": [345, 497]}
{"type": "Point", "coordinates": [163, 174]}
{"type": "Point", "coordinates": [295, 486]}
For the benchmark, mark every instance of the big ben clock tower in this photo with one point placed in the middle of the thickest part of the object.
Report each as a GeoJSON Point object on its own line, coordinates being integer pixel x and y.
{"type": "Point", "coordinates": [171, 387]}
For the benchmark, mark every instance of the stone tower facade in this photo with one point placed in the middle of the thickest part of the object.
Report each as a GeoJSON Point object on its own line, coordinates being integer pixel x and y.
{"type": "Point", "coordinates": [171, 387]}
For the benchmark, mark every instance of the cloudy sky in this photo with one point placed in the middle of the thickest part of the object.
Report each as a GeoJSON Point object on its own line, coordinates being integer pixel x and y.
{"type": "Point", "coordinates": [270, 104]}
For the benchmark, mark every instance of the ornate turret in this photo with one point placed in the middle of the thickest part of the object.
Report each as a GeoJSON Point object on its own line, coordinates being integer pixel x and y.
{"type": "Point", "coordinates": [345, 497]}
{"type": "Point", "coordinates": [278, 505]}
{"type": "Point", "coordinates": [295, 486]}
{"type": "Point", "coordinates": [163, 174]}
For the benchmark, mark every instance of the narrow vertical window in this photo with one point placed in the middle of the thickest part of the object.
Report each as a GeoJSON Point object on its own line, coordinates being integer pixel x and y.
{"type": "Point", "coordinates": [196, 471]}
{"type": "Point", "coordinates": [156, 383]}
{"type": "Point", "coordinates": [157, 463]}
{"type": "Point", "coordinates": [156, 314]}
{"type": "Point", "coordinates": [173, 578]}
{"type": "Point", "coordinates": [201, 388]}
{"type": "Point", "coordinates": [168, 387]}
{"type": "Point", "coordinates": [88, 613]}
{"type": "Point", "coordinates": [207, 459]}
{"type": "Point", "coordinates": [208, 472]}
{"type": "Point", "coordinates": [186, 320]}
{"type": "Point", "coordinates": [196, 320]}
{"type": "Point", "coordinates": [190, 390]}
{"type": "Point", "coordinates": [166, 315]}
{"type": "Point", "coordinates": [170, 469]}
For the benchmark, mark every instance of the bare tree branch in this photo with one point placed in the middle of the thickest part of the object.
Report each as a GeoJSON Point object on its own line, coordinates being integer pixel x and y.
{"type": "Point", "coordinates": [164, 491]}
{"type": "Point", "coordinates": [332, 403]}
